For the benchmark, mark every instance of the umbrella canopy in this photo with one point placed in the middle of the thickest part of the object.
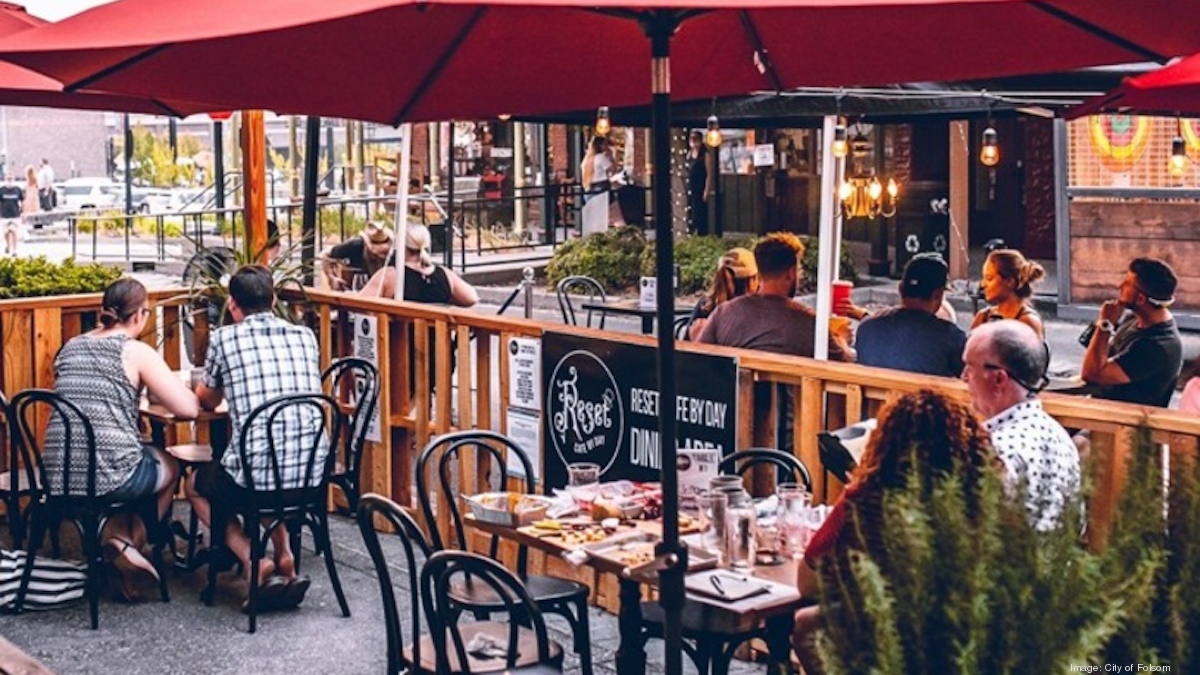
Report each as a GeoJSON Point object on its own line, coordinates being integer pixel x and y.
{"type": "Point", "coordinates": [24, 87]}
{"type": "Point", "coordinates": [1172, 90]}
{"type": "Point", "coordinates": [414, 60]}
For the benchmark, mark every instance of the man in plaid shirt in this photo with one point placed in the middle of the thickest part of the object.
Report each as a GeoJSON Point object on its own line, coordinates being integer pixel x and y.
{"type": "Point", "coordinates": [249, 363]}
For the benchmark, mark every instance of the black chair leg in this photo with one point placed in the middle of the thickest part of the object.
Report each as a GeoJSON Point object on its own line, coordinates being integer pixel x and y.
{"type": "Point", "coordinates": [293, 528]}
{"type": "Point", "coordinates": [90, 538]}
{"type": "Point", "coordinates": [583, 638]}
{"type": "Point", "coordinates": [321, 534]}
{"type": "Point", "coordinates": [55, 549]}
{"type": "Point", "coordinates": [724, 656]}
{"type": "Point", "coordinates": [37, 533]}
{"type": "Point", "coordinates": [257, 546]}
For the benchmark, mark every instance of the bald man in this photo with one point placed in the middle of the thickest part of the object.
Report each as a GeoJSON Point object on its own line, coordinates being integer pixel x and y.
{"type": "Point", "coordinates": [1004, 366]}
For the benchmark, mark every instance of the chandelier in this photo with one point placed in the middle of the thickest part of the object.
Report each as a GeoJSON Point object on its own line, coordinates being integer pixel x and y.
{"type": "Point", "coordinates": [862, 194]}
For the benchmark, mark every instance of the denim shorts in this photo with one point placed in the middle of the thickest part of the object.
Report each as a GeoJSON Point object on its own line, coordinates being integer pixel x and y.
{"type": "Point", "coordinates": [143, 480]}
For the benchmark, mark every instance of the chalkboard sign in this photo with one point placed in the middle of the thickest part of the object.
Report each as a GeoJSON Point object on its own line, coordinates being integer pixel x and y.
{"type": "Point", "coordinates": [601, 400]}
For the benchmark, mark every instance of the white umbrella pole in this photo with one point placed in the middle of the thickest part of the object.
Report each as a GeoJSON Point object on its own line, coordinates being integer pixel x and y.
{"type": "Point", "coordinates": [401, 234]}
{"type": "Point", "coordinates": [828, 236]}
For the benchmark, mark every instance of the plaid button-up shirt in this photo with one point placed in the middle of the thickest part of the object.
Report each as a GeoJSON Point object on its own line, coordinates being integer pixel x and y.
{"type": "Point", "coordinates": [254, 361]}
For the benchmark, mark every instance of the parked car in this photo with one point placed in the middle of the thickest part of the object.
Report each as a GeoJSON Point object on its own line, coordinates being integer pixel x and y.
{"type": "Point", "coordinates": [151, 200]}
{"type": "Point", "coordinates": [79, 194]}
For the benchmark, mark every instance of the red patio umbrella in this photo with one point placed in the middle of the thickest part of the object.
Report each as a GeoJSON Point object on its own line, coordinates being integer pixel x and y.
{"type": "Point", "coordinates": [1172, 90]}
{"type": "Point", "coordinates": [412, 60]}
{"type": "Point", "coordinates": [23, 87]}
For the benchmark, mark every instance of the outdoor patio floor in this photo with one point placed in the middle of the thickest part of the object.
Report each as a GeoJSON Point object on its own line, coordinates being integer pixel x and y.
{"type": "Point", "coordinates": [184, 636]}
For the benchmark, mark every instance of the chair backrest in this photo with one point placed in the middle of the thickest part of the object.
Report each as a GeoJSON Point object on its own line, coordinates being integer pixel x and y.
{"type": "Point", "coordinates": [583, 286]}
{"type": "Point", "coordinates": [78, 454]}
{"type": "Point", "coordinates": [742, 461]}
{"type": "Point", "coordinates": [357, 379]}
{"type": "Point", "coordinates": [317, 417]}
{"type": "Point", "coordinates": [413, 543]}
{"type": "Point", "coordinates": [442, 451]}
{"type": "Point", "coordinates": [443, 612]}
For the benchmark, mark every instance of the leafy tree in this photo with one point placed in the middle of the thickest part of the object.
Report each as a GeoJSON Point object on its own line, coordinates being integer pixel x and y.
{"type": "Point", "coordinates": [153, 161]}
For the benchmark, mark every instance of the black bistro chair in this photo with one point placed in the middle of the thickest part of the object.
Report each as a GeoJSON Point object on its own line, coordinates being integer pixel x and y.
{"type": "Point", "coordinates": [519, 649]}
{"type": "Point", "coordinates": [716, 634]}
{"type": "Point", "coordinates": [16, 480]}
{"type": "Point", "coordinates": [585, 287]}
{"type": "Point", "coordinates": [561, 597]}
{"type": "Point", "coordinates": [50, 504]}
{"type": "Point", "coordinates": [355, 383]}
{"type": "Point", "coordinates": [291, 508]}
{"type": "Point", "coordinates": [402, 656]}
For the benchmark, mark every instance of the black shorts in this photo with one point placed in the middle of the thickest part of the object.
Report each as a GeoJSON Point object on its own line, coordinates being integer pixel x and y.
{"type": "Point", "coordinates": [215, 484]}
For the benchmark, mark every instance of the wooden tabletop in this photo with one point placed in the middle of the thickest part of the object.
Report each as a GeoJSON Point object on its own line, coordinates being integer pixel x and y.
{"type": "Point", "coordinates": [632, 307]}
{"type": "Point", "coordinates": [157, 412]}
{"type": "Point", "coordinates": [781, 579]}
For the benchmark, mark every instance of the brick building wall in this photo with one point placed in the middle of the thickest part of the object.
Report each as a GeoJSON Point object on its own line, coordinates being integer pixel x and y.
{"type": "Point", "coordinates": [61, 136]}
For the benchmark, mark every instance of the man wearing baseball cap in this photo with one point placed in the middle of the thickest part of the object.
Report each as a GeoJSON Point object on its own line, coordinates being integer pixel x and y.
{"type": "Point", "coordinates": [1137, 360]}
{"type": "Point", "coordinates": [911, 337]}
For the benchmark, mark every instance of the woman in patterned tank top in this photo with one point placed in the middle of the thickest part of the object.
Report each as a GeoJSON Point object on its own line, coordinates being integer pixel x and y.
{"type": "Point", "coordinates": [104, 372]}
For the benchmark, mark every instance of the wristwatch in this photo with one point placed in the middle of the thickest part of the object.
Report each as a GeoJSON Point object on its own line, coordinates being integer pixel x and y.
{"type": "Point", "coordinates": [1107, 326]}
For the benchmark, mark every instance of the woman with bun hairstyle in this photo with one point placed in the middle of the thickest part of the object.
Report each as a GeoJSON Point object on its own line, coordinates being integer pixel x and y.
{"type": "Point", "coordinates": [424, 280]}
{"type": "Point", "coordinates": [104, 373]}
{"type": "Point", "coordinates": [1007, 286]}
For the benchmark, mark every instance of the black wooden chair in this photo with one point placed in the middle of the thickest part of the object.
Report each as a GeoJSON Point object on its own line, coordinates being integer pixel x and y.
{"type": "Point", "coordinates": [53, 502]}
{"type": "Point", "coordinates": [402, 656]}
{"type": "Point", "coordinates": [354, 382]}
{"type": "Point", "coordinates": [788, 467]}
{"type": "Point", "coordinates": [561, 597]}
{"type": "Point", "coordinates": [280, 505]}
{"type": "Point", "coordinates": [715, 634]}
{"type": "Point", "coordinates": [519, 649]}
{"type": "Point", "coordinates": [16, 480]}
{"type": "Point", "coordinates": [582, 286]}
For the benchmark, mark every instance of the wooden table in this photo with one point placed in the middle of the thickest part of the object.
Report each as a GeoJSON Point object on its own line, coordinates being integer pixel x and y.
{"type": "Point", "coordinates": [634, 308]}
{"type": "Point", "coordinates": [775, 610]}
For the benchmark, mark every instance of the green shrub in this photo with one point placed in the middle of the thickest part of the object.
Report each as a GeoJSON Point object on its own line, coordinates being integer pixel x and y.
{"type": "Point", "coordinates": [956, 595]}
{"type": "Point", "coordinates": [33, 277]}
{"type": "Point", "coordinates": [606, 256]}
{"type": "Point", "coordinates": [612, 258]}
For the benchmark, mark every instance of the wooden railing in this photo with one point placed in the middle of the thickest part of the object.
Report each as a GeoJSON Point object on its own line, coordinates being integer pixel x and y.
{"type": "Point", "coordinates": [413, 337]}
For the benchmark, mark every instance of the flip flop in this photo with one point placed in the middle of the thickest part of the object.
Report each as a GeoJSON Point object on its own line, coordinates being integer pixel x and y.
{"type": "Point", "coordinates": [270, 596]}
{"type": "Point", "coordinates": [132, 576]}
{"type": "Point", "coordinates": [295, 591]}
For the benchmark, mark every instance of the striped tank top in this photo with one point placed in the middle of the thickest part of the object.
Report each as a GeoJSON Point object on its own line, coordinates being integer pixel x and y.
{"type": "Point", "coordinates": [90, 373]}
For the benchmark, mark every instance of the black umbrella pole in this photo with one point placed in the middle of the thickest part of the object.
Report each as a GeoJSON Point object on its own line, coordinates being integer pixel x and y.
{"type": "Point", "coordinates": [308, 211]}
{"type": "Point", "coordinates": [671, 578]}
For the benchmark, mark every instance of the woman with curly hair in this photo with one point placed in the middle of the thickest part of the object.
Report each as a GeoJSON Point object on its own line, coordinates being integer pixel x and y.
{"type": "Point", "coordinates": [1007, 286]}
{"type": "Point", "coordinates": [923, 433]}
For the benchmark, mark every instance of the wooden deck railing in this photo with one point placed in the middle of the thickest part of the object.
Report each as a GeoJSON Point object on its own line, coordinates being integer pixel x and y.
{"type": "Point", "coordinates": [413, 337]}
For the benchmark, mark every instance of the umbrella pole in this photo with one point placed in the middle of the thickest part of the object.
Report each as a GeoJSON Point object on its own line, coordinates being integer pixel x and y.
{"type": "Point", "coordinates": [829, 236]}
{"type": "Point", "coordinates": [399, 249]}
{"type": "Point", "coordinates": [308, 211]}
{"type": "Point", "coordinates": [660, 26]}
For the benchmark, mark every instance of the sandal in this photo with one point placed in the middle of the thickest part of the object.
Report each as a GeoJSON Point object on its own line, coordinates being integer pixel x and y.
{"type": "Point", "coordinates": [270, 596]}
{"type": "Point", "coordinates": [134, 572]}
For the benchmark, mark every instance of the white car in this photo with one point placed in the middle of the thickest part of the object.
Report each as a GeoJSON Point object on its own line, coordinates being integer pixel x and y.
{"type": "Point", "coordinates": [81, 194]}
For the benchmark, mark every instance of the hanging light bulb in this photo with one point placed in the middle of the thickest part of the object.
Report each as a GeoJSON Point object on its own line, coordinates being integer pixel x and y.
{"type": "Point", "coordinates": [1179, 156]}
{"type": "Point", "coordinates": [603, 124]}
{"type": "Point", "coordinates": [712, 136]}
{"type": "Point", "coordinates": [989, 152]}
{"type": "Point", "coordinates": [840, 146]}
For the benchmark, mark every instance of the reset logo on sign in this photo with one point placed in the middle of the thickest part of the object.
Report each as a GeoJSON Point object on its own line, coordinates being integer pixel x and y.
{"type": "Point", "coordinates": [587, 419]}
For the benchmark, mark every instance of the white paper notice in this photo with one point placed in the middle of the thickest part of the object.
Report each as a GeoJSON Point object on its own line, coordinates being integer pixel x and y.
{"type": "Point", "coordinates": [366, 347]}
{"type": "Point", "coordinates": [524, 428]}
{"type": "Point", "coordinates": [764, 155]}
{"type": "Point", "coordinates": [525, 373]}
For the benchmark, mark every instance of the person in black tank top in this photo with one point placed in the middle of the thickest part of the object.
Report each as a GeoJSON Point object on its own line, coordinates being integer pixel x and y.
{"type": "Point", "coordinates": [701, 172]}
{"type": "Point", "coordinates": [1007, 287]}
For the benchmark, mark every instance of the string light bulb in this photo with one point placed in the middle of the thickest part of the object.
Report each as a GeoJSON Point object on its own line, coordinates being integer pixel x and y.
{"type": "Point", "coordinates": [989, 151]}
{"type": "Point", "coordinates": [603, 123]}
{"type": "Point", "coordinates": [841, 147]}
{"type": "Point", "coordinates": [712, 135]}
{"type": "Point", "coordinates": [1179, 156]}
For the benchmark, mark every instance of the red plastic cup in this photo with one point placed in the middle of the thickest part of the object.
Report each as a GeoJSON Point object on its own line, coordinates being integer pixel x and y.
{"type": "Point", "coordinates": [841, 292]}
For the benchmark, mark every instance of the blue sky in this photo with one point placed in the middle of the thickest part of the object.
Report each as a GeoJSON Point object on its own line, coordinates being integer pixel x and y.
{"type": "Point", "coordinates": [55, 10]}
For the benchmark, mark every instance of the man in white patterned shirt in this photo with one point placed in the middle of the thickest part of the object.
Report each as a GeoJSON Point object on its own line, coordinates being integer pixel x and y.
{"type": "Point", "coordinates": [257, 359]}
{"type": "Point", "coordinates": [1004, 367]}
